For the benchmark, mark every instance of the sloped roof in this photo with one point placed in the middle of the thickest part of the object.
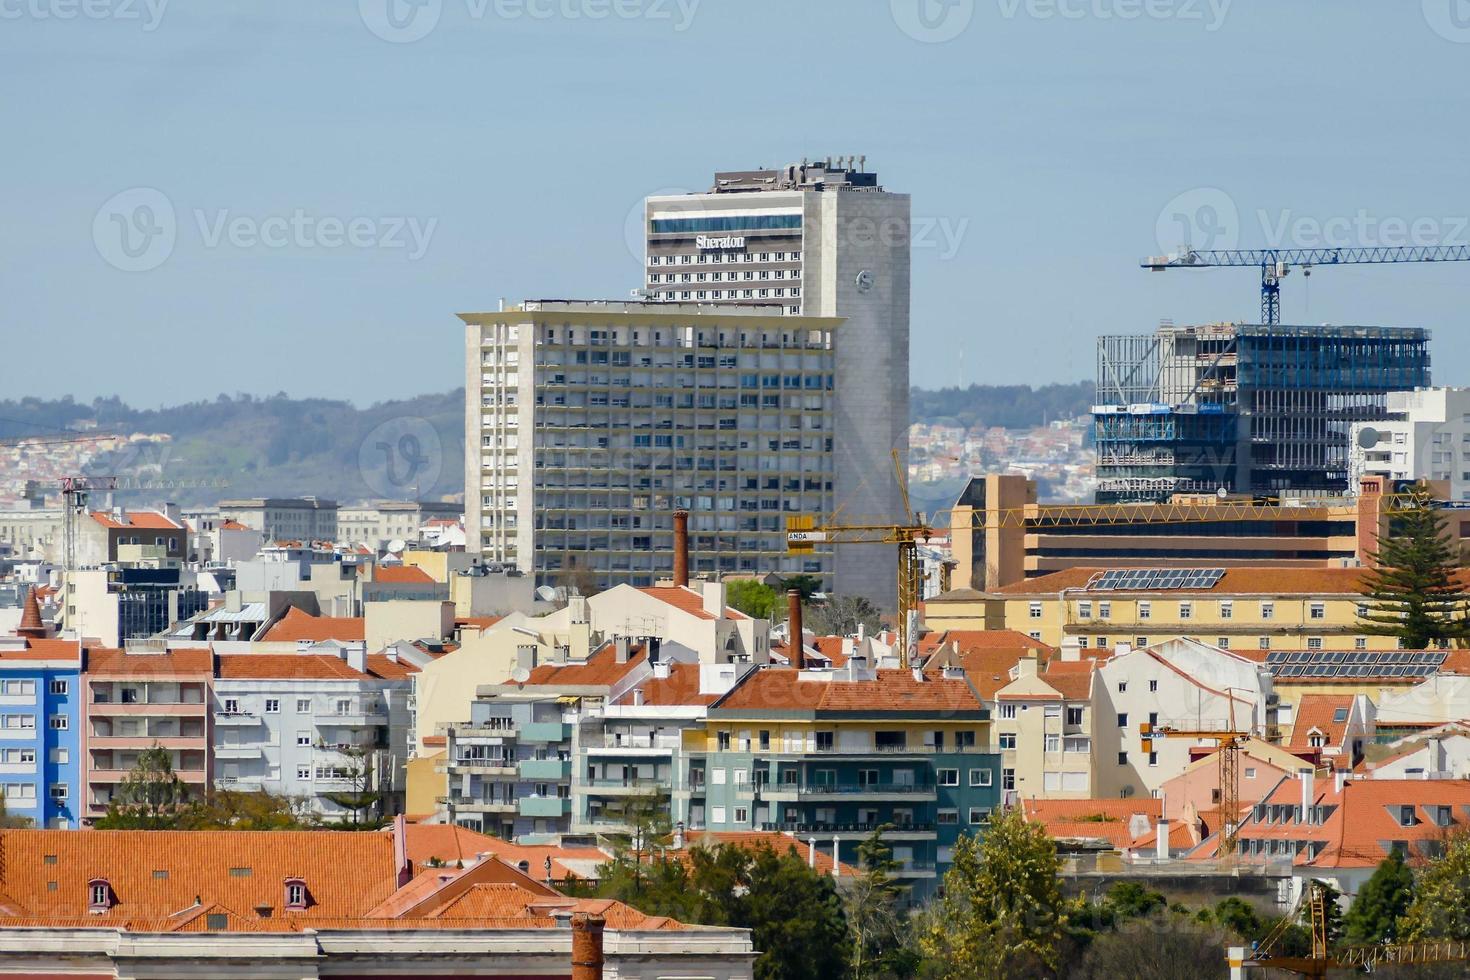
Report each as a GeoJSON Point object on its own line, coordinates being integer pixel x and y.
{"type": "Point", "coordinates": [297, 625]}
{"type": "Point", "coordinates": [145, 520]}
{"type": "Point", "coordinates": [1318, 713]}
{"type": "Point", "coordinates": [689, 601]}
{"type": "Point", "coordinates": [172, 663]}
{"type": "Point", "coordinates": [779, 689]}
{"type": "Point", "coordinates": [1108, 820]}
{"type": "Point", "coordinates": [402, 575]}
{"type": "Point", "coordinates": [601, 669]}
{"type": "Point", "coordinates": [680, 687]}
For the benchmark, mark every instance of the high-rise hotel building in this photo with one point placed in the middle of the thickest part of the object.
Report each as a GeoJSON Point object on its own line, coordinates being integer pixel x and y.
{"type": "Point", "coordinates": [590, 423]}
{"type": "Point", "coordinates": [814, 239]}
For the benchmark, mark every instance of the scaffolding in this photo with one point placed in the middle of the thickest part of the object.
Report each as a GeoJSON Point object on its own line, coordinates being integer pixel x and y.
{"type": "Point", "coordinates": [1243, 408]}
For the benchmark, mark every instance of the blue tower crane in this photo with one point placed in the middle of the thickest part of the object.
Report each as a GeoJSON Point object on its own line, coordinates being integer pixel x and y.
{"type": "Point", "coordinates": [1275, 263]}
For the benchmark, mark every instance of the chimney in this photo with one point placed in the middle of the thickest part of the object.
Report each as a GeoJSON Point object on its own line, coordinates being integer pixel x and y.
{"type": "Point", "coordinates": [400, 850]}
{"type": "Point", "coordinates": [1161, 846]}
{"type": "Point", "coordinates": [679, 836]}
{"type": "Point", "coordinates": [795, 629]}
{"type": "Point", "coordinates": [1306, 779]}
{"type": "Point", "coordinates": [620, 649]}
{"type": "Point", "coordinates": [836, 858]}
{"type": "Point", "coordinates": [587, 946]}
{"type": "Point", "coordinates": [811, 852]}
{"type": "Point", "coordinates": [681, 548]}
{"type": "Point", "coordinates": [356, 656]}
{"type": "Point", "coordinates": [1071, 649]}
{"type": "Point", "coordinates": [1339, 780]}
{"type": "Point", "coordinates": [714, 598]}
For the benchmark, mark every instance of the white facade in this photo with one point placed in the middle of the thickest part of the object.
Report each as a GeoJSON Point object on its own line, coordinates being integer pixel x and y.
{"type": "Point", "coordinates": [819, 240]}
{"type": "Point", "coordinates": [285, 519]}
{"type": "Point", "coordinates": [1181, 684]}
{"type": "Point", "coordinates": [1426, 437]}
{"type": "Point", "coordinates": [589, 424]}
{"type": "Point", "coordinates": [286, 735]}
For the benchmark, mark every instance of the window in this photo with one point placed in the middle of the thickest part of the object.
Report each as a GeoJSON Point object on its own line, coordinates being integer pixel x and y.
{"type": "Point", "coordinates": [216, 921]}
{"type": "Point", "coordinates": [303, 773]}
{"type": "Point", "coordinates": [1122, 758]}
{"type": "Point", "coordinates": [978, 815]}
{"type": "Point", "coordinates": [1034, 610]}
{"type": "Point", "coordinates": [949, 818]}
{"type": "Point", "coordinates": [232, 706]}
{"type": "Point", "coordinates": [1007, 740]}
{"type": "Point", "coordinates": [826, 741]}
{"type": "Point", "coordinates": [1153, 759]}
{"type": "Point", "coordinates": [1104, 610]}
{"type": "Point", "coordinates": [948, 777]}
{"type": "Point", "coordinates": [1008, 711]}
{"type": "Point", "coordinates": [1317, 610]}
{"type": "Point", "coordinates": [1223, 642]}
{"type": "Point", "coordinates": [1268, 610]}
{"type": "Point", "coordinates": [717, 814]}
{"type": "Point", "coordinates": [1153, 686]}
{"type": "Point", "coordinates": [99, 895]}
{"type": "Point", "coordinates": [58, 791]}
{"type": "Point", "coordinates": [58, 723]}
{"type": "Point", "coordinates": [59, 756]}
{"type": "Point", "coordinates": [1314, 643]}
{"type": "Point", "coordinates": [1227, 609]}
{"type": "Point", "coordinates": [1074, 715]}
{"type": "Point", "coordinates": [272, 706]}
{"type": "Point", "coordinates": [295, 895]}
{"type": "Point", "coordinates": [1406, 816]}
{"type": "Point", "coordinates": [717, 776]}
{"type": "Point", "coordinates": [303, 738]}
{"type": "Point", "coordinates": [1145, 610]}
{"type": "Point", "coordinates": [1250, 772]}
{"type": "Point", "coordinates": [742, 815]}
{"type": "Point", "coordinates": [58, 688]}
{"type": "Point", "coordinates": [1122, 687]}
{"type": "Point", "coordinates": [1008, 779]}
{"type": "Point", "coordinates": [1265, 643]}
{"type": "Point", "coordinates": [303, 706]}
{"type": "Point", "coordinates": [1084, 610]}
{"type": "Point", "coordinates": [1122, 719]}
{"type": "Point", "coordinates": [980, 777]}
{"type": "Point", "coordinates": [1360, 643]}
{"type": "Point", "coordinates": [1053, 743]}
{"type": "Point", "coordinates": [1186, 610]}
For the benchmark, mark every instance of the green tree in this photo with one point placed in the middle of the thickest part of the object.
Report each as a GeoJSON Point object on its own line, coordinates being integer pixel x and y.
{"type": "Point", "coordinates": [1441, 897]}
{"type": "Point", "coordinates": [9, 821]}
{"type": "Point", "coordinates": [1240, 917]}
{"type": "Point", "coordinates": [1381, 902]}
{"type": "Point", "coordinates": [795, 918]}
{"type": "Point", "coordinates": [1162, 948]}
{"type": "Point", "coordinates": [755, 599]}
{"type": "Point", "coordinates": [807, 585]}
{"type": "Point", "coordinates": [361, 798]}
{"type": "Point", "coordinates": [1131, 900]}
{"type": "Point", "coordinates": [840, 615]}
{"type": "Point", "coordinates": [227, 809]}
{"type": "Point", "coordinates": [150, 797]}
{"type": "Point", "coordinates": [1414, 592]}
{"type": "Point", "coordinates": [1000, 914]}
{"type": "Point", "coordinates": [875, 915]}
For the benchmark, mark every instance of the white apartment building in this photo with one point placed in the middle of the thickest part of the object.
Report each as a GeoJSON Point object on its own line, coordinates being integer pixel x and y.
{"type": "Point", "coordinates": [282, 722]}
{"type": "Point", "coordinates": [818, 238]}
{"type": "Point", "coordinates": [1425, 437]}
{"type": "Point", "coordinates": [377, 524]}
{"type": "Point", "coordinates": [589, 423]}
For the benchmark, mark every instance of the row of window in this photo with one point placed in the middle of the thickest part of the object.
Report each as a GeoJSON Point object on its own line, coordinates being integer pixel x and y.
{"type": "Point", "coordinates": [749, 275]}
{"type": "Point", "coordinates": [716, 258]}
{"type": "Point", "coordinates": [1009, 711]}
{"type": "Point", "coordinates": [27, 688]}
{"type": "Point", "coordinates": [1104, 610]}
{"type": "Point", "coordinates": [16, 723]}
{"type": "Point", "coordinates": [343, 706]}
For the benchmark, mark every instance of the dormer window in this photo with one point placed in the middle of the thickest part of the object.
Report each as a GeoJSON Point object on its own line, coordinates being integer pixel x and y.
{"type": "Point", "coordinates": [296, 895]}
{"type": "Point", "coordinates": [99, 895]}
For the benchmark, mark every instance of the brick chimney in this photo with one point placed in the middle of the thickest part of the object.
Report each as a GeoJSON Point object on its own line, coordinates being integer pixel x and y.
{"type": "Point", "coordinates": [794, 627]}
{"type": "Point", "coordinates": [587, 946]}
{"type": "Point", "coordinates": [30, 618]}
{"type": "Point", "coordinates": [681, 548]}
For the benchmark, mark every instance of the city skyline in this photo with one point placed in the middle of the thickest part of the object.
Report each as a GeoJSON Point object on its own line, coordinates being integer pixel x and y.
{"type": "Point", "coordinates": [337, 194]}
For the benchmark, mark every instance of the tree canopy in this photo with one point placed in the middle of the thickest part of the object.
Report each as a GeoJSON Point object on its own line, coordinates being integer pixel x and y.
{"type": "Point", "coordinates": [1413, 590]}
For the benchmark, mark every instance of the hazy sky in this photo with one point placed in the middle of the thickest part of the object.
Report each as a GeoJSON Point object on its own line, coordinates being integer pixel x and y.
{"type": "Point", "coordinates": [298, 195]}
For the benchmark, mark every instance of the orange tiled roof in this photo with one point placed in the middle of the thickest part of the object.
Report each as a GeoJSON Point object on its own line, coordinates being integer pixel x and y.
{"type": "Point", "coordinates": [1072, 679]}
{"type": "Point", "coordinates": [688, 600]}
{"type": "Point", "coordinates": [680, 687]}
{"type": "Point", "coordinates": [233, 525]}
{"type": "Point", "coordinates": [1108, 820]}
{"type": "Point", "coordinates": [146, 520]}
{"type": "Point", "coordinates": [1317, 712]}
{"type": "Point", "coordinates": [173, 663]}
{"type": "Point", "coordinates": [285, 666]}
{"type": "Point", "coordinates": [600, 669]}
{"type": "Point", "coordinates": [892, 690]}
{"type": "Point", "coordinates": [402, 575]}
{"type": "Point", "coordinates": [385, 667]}
{"type": "Point", "coordinates": [752, 839]}
{"type": "Point", "coordinates": [297, 625]}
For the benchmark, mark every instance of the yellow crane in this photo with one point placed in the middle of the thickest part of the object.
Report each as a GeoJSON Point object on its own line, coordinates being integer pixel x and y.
{"type": "Point", "coordinates": [804, 533]}
{"type": "Point", "coordinates": [1229, 740]}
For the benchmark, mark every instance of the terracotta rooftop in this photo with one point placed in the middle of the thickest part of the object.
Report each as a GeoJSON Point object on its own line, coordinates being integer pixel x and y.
{"type": "Point", "coordinates": [1326, 714]}
{"type": "Point", "coordinates": [1117, 822]}
{"type": "Point", "coordinates": [173, 663]}
{"type": "Point", "coordinates": [307, 666]}
{"type": "Point", "coordinates": [146, 520]}
{"type": "Point", "coordinates": [402, 575]}
{"type": "Point", "coordinates": [599, 670]}
{"type": "Point", "coordinates": [688, 600]}
{"type": "Point", "coordinates": [680, 687]}
{"type": "Point", "coordinates": [297, 625]}
{"type": "Point", "coordinates": [782, 689]}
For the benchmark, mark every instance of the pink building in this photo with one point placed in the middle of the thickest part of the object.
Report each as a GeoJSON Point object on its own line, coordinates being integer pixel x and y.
{"type": "Point", "coordinates": [136, 700]}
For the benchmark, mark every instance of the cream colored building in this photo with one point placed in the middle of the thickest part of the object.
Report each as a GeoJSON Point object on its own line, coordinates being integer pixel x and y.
{"type": "Point", "coordinates": [1260, 608]}
{"type": "Point", "coordinates": [1042, 723]}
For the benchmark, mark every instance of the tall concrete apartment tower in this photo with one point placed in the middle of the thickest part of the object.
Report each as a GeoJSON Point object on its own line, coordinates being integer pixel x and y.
{"type": "Point", "coordinates": [822, 239]}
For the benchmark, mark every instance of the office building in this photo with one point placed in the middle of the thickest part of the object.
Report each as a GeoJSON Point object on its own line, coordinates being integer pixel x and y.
{"type": "Point", "coordinates": [304, 519]}
{"type": "Point", "coordinates": [1243, 408]}
{"type": "Point", "coordinates": [590, 423]}
{"type": "Point", "coordinates": [1424, 436]}
{"type": "Point", "coordinates": [817, 239]}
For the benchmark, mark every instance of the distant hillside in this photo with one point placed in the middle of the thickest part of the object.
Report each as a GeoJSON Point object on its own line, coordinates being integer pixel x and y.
{"type": "Point", "coordinates": [1006, 406]}
{"type": "Point", "coordinates": [285, 446]}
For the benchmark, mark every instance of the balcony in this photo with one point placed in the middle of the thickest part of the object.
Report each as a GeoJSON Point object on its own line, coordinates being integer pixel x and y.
{"type": "Point", "coordinates": [897, 791]}
{"type": "Point", "coordinates": [544, 806]}
{"type": "Point", "coordinates": [552, 769]}
{"type": "Point", "coordinates": [545, 731]}
{"type": "Point", "coordinates": [365, 718]}
{"type": "Point", "coordinates": [480, 767]}
{"type": "Point", "coordinates": [892, 831]}
{"type": "Point", "coordinates": [237, 719]}
{"type": "Point", "coordinates": [95, 775]}
{"type": "Point", "coordinates": [237, 752]}
{"type": "Point", "coordinates": [625, 787]}
{"type": "Point", "coordinates": [145, 741]}
{"type": "Point", "coordinates": [469, 804]}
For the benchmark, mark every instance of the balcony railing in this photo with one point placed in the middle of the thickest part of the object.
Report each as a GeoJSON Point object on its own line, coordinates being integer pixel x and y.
{"type": "Point", "coordinates": [854, 789]}
{"type": "Point", "coordinates": [817, 829]}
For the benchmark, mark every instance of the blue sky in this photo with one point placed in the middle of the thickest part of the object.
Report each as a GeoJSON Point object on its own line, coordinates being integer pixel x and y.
{"type": "Point", "coordinates": [337, 197]}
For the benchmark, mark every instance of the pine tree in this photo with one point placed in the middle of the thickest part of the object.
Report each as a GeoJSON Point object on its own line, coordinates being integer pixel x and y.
{"type": "Point", "coordinates": [1381, 902]}
{"type": "Point", "coordinates": [1000, 915]}
{"type": "Point", "coordinates": [875, 914]}
{"type": "Point", "coordinates": [1414, 592]}
{"type": "Point", "coordinates": [150, 797]}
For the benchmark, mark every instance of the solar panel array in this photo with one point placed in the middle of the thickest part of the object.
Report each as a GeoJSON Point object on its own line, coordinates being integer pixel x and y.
{"type": "Point", "coordinates": [1354, 663]}
{"type": "Point", "coordinates": [1146, 579]}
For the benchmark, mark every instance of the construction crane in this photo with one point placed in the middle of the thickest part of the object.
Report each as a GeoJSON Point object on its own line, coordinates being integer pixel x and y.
{"type": "Point", "coordinates": [76, 491]}
{"type": "Point", "coordinates": [1229, 739]}
{"type": "Point", "coordinates": [804, 533]}
{"type": "Point", "coordinates": [1276, 263]}
{"type": "Point", "coordinates": [1324, 957]}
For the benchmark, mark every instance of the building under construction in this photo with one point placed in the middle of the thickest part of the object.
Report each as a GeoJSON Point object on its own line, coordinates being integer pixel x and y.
{"type": "Point", "coordinates": [1244, 408]}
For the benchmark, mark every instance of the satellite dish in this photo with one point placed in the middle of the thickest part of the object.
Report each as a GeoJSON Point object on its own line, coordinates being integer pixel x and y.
{"type": "Point", "coordinates": [1222, 493]}
{"type": "Point", "coordinates": [396, 546]}
{"type": "Point", "coordinates": [520, 675]}
{"type": "Point", "coordinates": [1367, 437]}
{"type": "Point", "coordinates": [546, 593]}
